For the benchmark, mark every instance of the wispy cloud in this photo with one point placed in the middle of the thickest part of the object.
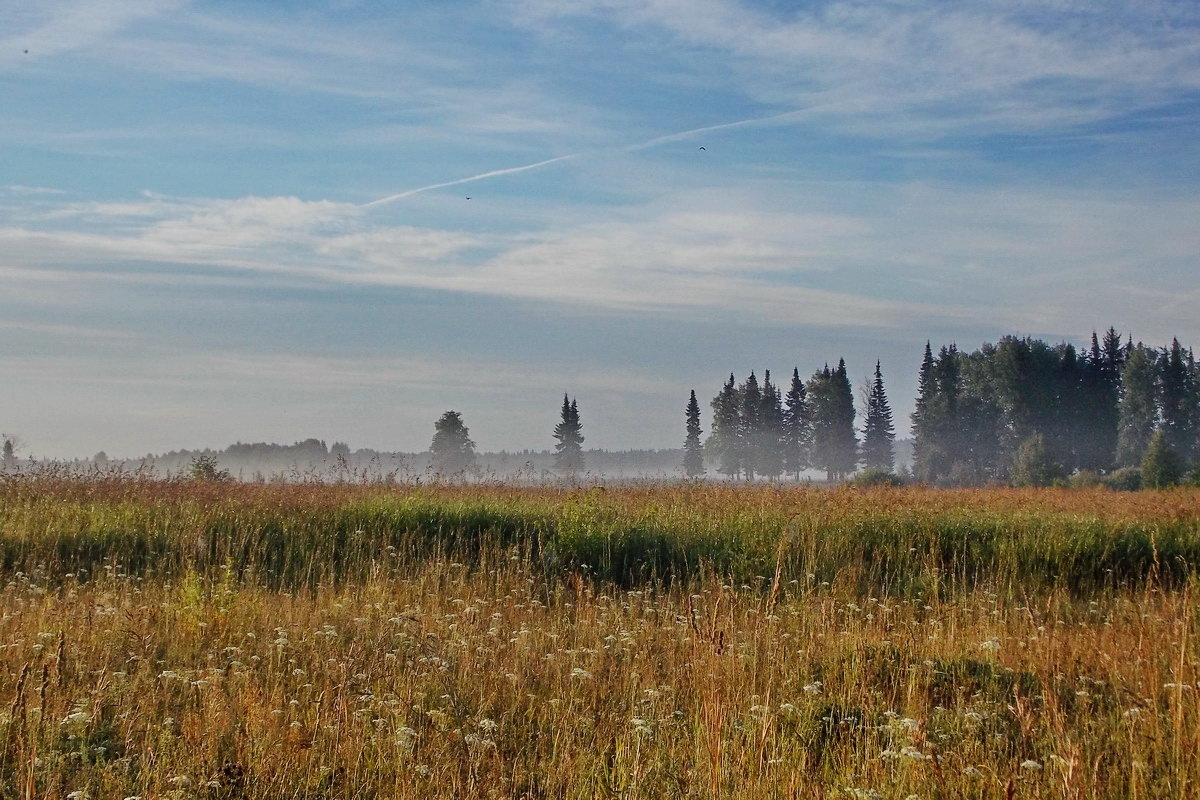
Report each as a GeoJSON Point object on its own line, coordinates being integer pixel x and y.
{"type": "Point", "coordinates": [717, 252]}
{"type": "Point", "coordinates": [931, 67]}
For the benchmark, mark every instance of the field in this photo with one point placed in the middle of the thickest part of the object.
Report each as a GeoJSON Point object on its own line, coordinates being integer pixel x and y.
{"type": "Point", "coordinates": [220, 640]}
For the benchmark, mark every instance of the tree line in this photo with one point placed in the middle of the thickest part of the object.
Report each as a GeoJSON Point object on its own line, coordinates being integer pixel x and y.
{"type": "Point", "coordinates": [1023, 410]}
{"type": "Point", "coordinates": [1019, 410]}
{"type": "Point", "coordinates": [759, 430]}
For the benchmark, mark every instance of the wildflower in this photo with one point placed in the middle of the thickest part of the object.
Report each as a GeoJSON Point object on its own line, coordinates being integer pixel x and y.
{"type": "Point", "coordinates": [1030, 764]}
{"type": "Point", "coordinates": [78, 794]}
{"type": "Point", "coordinates": [581, 674]}
{"type": "Point", "coordinates": [991, 645]}
{"type": "Point", "coordinates": [813, 688]}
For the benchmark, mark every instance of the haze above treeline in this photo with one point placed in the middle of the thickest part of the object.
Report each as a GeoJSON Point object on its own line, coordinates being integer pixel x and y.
{"type": "Point", "coordinates": [1019, 410]}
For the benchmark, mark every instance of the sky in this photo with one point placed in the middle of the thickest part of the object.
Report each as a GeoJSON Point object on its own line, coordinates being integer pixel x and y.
{"type": "Point", "coordinates": [259, 221]}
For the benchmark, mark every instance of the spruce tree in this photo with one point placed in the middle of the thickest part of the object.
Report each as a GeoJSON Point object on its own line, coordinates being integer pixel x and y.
{"type": "Point", "coordinates": [1137, 411]}
{"type": "Point", "coordinates": [924, 420]}
{"type": "Point", "coordinates": [834, 442]}
{"type": "Point", "coordinates": [771, 433]}
{"type": "Point", "coordinates": [725, 436]}
{"type": "Point", "coordinates": [1100, 390]}
{"type": "Point", "coordinates": [693, 451]}
{"type": "Point", "coordinates": [1178, 399]}
{"type": "Point", "coordinates": [750, 427]}
{"type": "Point", "coordinates": [452, 450]}
{"type": "Point", "coordinates": [796, 426]}
{"type": "Point", "coordinates": [568, 435]}
{"type": "Point", "coordinates": [879, 434]}
{"type": "Point", "coordinates": [820, 398]}
{"type": "Point", "coordinates": [845, 439]}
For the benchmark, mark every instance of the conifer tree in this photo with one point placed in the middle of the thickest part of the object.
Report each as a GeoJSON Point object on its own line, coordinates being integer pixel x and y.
{"type": "Point", "coordinates": [845, 439]}
{"type": "Point", "coordinates": [568, 434]}
{"type": "Point", "coordinates": [820, 398]}
{"type": "Point", "coordinates": [1178, 399]}
{"type": "Point", "coordinates": [1096, 443]}
{"type": "Point", "coordinates": [834, 442]}
{"type": "Point", "coordinates": [452, 450]}
{"type": "Point", "coordinates": [749, 428]}
{"type": "Point", "coordinates": [1138, 414]}
{"type": "Point", "coordinates": [878, 450]}
{"type": "Point", "coordinates": [924, 420]}
{"type": "Point", "coordinates": [725, 436]}
{"type": "Point", "coordinates": [796, 426]}
{"type": "Point", "coordinates": [770, 436]}
{"type": "Point", "coordinates": [693, 451]}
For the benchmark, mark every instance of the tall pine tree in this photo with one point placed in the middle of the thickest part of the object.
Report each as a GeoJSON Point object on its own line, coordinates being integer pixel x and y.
{"type": "Point", "coordinates": [1178, 399]}
{"type": "Point", "coordinates": [878, 451]}
{"type": "Point", "coordinates": [834, 442]}
{"type": "Point", "coordinates": [725, 437]}
{"type": "Point", "coordinates": [568, 435]}
{"type": "Point", "coordinates": [750, 427]}
{"type": "Point", "coordinates": [693, 451]}
{"type": "Point", "coordinates": [925, 423]}
{"type": "Point", "coordinates": [770, 430]}
{"type": "Point", "coordinates": [796, 426]}
{"type": "Point", "coordinates": [845, 438]}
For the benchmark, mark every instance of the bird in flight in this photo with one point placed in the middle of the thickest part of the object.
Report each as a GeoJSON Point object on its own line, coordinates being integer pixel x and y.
{"type": "Point", "coordinates": [468, 198]}
{"type": "Point", "coordinates": [702, 147]}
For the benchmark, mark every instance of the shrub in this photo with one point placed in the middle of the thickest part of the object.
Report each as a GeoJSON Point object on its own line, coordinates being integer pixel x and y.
{"type": "Point", "coordinates": [205, 468]}
{"type": "Point", "coordinates": [875, 477]}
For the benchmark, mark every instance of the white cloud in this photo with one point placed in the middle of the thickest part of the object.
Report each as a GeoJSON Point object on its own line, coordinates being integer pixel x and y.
{"type": "Point", "coordinates": [51, 27]}
{"type": "Point", "coordinates": [882, 68]}
{"type": "Point", "coordinates": [905, 256]}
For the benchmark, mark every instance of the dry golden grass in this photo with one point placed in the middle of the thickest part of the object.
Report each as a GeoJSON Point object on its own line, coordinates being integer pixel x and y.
{"type": "Point", "coordinates": [496, 676]}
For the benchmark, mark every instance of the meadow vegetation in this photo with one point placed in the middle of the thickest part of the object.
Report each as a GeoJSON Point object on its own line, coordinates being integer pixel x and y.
{"type": "Point", "coordinates": [213, 639]}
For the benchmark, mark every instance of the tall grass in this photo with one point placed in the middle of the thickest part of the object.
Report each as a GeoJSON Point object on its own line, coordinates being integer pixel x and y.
{"type": "Point", "coordinates": [879, 541]}
{"type": "Point", "coordinates": [221, 641]}
{"type": "Point", "coordinates": [489, 682]}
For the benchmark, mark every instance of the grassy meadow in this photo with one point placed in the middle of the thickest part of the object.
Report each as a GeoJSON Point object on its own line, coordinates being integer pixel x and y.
{"type": "Point", "coordinates": [177, 639]}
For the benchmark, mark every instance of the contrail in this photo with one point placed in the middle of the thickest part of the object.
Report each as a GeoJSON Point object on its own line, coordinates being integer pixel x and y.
{"type": "Point", "coordinates": [741, 123]}
{"type": "Point", "coordinates": [670, 137]}
{"type": "Point", "coordinates": [479, 177]}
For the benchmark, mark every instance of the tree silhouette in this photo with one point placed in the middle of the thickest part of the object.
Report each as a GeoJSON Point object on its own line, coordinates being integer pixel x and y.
{"type": "Point", "coordinates": [452, 449]}
{"type": "Point", "coordinates": [693, 450]}
{"type": "Point", "coordinates": [878, 451]}
{"type": "Point", "coordinates": [568, 435]}
{"type": "Point", "coordinates": [725, 437]}
{"type": "Point", "coordinates": [797, 426]}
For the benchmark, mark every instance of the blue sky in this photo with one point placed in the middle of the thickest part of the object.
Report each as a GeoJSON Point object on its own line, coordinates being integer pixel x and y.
{"type": "Point", "coordinates": [228, 221]}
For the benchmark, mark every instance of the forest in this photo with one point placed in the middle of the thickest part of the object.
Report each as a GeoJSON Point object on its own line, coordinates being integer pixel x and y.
{"type": "Point", "coordinates": [1017, 411]}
